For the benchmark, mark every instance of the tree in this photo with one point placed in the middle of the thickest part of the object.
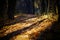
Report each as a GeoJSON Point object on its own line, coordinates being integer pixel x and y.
{"type": "Point", "coordinates": [11, 8]}
{"type": "Point", "coordinates": [58, 5]}
{"type": "Point", "coordinates": [4, 14]}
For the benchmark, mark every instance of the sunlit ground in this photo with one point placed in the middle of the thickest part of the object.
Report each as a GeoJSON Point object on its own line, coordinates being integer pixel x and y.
{"type": "Point", "coordinates": [34, 26]}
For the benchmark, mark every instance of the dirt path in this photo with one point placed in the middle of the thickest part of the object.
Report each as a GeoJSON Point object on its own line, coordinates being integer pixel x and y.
{"type": "Point", "coordinates": [31, 26]}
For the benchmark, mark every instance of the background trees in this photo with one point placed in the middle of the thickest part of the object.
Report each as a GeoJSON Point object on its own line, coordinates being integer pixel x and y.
{"type": "Point", "coordinates": [7, 9]}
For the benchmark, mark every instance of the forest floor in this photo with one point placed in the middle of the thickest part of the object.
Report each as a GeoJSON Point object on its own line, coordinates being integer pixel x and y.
{"type": "Point", "coordinates": [26, 27]}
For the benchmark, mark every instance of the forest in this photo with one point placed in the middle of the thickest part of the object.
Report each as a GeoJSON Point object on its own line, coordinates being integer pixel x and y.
{"type": "Point", "coordinates": [29, 19]}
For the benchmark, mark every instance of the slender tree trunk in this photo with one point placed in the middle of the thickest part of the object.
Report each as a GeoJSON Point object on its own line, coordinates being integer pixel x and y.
{"type": "Point", "coordinates": [2, 12]}
{"type": "Point", "coordinates": [11, 8]}
{"type": "Point", "coordinates": [58, 5]}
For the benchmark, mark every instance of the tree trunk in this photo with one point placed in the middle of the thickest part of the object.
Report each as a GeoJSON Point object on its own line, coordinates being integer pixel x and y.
{"type": "Point", "coordinates": [11, 8]}
{"type": "Point", "coordinates": [58, 5]}
{"type": "Point", "coordinates": [2, 12]}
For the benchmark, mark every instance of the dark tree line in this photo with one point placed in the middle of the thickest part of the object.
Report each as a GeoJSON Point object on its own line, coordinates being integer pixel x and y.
{"type": "Point", "coordinates": [7, 8]}
{"type": "Point", "coordinates": [25, 6]}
